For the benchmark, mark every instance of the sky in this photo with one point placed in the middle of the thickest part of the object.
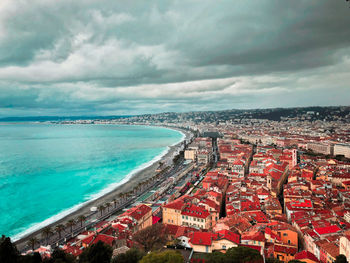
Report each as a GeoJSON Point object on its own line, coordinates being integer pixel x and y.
{"type": "Point", "coordinates": [102, 57]}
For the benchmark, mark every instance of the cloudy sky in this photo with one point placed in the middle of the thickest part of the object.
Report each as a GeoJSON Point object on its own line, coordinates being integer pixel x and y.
{"type": "Point", "coordinates": [102, 57]}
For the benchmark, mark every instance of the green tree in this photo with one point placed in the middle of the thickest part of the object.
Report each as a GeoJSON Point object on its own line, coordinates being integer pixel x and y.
{"type": "Point", "coordinates": [216, 257]}
{"type": "Point", "coordinates": [236, 255]}
{"type": "Point", "coordinates": [96, 253]}
{"type": "Point", "coordinates": [243, 255]}
{"type": "Point", "coordinates": [32, 242]}
{"type": "Point", "coordinates": [131, 256]}
{"type": "Point", "coordinates": [59, 228]}
{"type": "Point", "coordinates": [81, 219]}
{"type": "Point", "coordinates": [8, 252]}
{"type": "Point", "coordinates": [163, 257]}
{"type": "Point", "coordinates": [46, 233]}
{"type": "Point", "coordinates": [108, 205]}
{"type": "Point", "coordinates": [70, 224]}
{"type": "Point", "coordinates": [33, 258]}
{"type": "Point", "coordinates": [59, 256]}
{"type": "Point", "coordinates": [341, 259]}
{"type": "Point", "coordinates": [101, 208]}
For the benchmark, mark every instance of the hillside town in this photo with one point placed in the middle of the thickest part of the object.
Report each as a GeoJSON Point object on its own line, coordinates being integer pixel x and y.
{"type": "Point", "coordinates": [281, 188]}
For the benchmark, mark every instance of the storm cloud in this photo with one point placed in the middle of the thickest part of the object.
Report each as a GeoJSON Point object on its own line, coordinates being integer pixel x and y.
{"type": "Point", "coordinates": [74, 57]}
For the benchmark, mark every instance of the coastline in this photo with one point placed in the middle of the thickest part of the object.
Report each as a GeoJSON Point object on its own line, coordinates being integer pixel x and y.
{"type": "Point", "coordinates": [140, 174]}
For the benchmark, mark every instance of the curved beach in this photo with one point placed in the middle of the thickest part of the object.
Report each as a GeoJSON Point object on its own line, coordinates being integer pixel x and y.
{"type": "Point", "coordinates": [138, 175]}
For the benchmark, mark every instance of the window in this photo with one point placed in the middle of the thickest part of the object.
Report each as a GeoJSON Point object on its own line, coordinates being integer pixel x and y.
{"type": "Point", "coordinates": [168, 220]}
{"type": "Point", "coordinates": [183, 217]}
{"type": "Point", "coordinates": [223, 247]}
{"type": "Point", "coordinates": [288, 241]}
{"type": "Point", "coordinates": [285, 234]}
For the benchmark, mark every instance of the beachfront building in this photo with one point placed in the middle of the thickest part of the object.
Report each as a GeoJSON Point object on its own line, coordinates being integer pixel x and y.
{"type": "Point", "coordinates": [141, 215]}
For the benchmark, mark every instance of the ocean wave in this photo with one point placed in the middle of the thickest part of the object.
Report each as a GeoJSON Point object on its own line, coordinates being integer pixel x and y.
{"type": "Point", "coordinates": [37, 226]}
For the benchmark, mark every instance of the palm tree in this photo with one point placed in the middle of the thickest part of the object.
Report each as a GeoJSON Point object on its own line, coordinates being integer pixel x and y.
{"type": "Point", "coordinates": [108, 205]}
{"type": "Point", "coordinates": [115, 203]}
{"type": "Point", "coordinates": [32, 242]}
{"type": "Point", "coordinates": [101, 208]}
{"type": "Point", "coordinates": [81, 219]}
{"type": "Point", "coordinates": [47, 232]}
{"type": "Point", "coordinates": [70, 224]}
{"type": "Point", "coordinates": [59, 228]}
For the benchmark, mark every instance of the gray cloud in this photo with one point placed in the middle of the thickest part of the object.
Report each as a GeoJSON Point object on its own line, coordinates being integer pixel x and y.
{"type": "Point", "coordinates": [128, 57]}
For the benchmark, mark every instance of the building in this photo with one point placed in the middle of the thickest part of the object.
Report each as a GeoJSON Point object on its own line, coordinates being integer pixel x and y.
{"type": "Point", "coordinates": [141, 214]}
{"type": "Point", "coordinates": [319, 147]}
{"type": "Point", "coordinates": [342, 149]}
{"type": "Point", "coordinates": [344, 246]}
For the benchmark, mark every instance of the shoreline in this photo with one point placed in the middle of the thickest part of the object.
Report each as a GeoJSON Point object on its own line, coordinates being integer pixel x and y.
{"type": "Point", "coordinates": [140, 174]}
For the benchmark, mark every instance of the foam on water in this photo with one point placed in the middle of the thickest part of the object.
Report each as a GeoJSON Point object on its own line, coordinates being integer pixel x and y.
{"type": "Point", "coordinates": [151, 136]}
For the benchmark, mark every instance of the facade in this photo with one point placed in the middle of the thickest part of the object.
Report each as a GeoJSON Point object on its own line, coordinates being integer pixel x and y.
{"type": "Point", "coordinates": [344, 246]}
{"type": "Point", "coordinates": [142, 214]}
{"type": "Point", "coordinates": [323, 148]}
{"type": "Point", "coordinates": [190, 154]}
{"type": "Point", "coordinates": [342, 149]}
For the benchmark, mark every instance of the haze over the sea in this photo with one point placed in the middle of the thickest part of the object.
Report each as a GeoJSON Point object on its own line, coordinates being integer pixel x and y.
{"type": "Point", "coordinates": [46, 169]}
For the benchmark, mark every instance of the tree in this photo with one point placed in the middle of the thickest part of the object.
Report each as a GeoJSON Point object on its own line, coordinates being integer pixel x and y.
{"type": "Point", "coordinates": [59, 256]}
{"type": "Point", "coordinates": [8, 252]}
{"type": "Point", "coordinates": [131, 256]}
{"type": "Point", "coordinates": [236, 255]}
{"type": "Point", "coordinates": [81, 219]}
{"type": "Point", "coordinates": [70, 224]}
{"type": "Point", "coordinates": [150, 237]}
{"type": "Point", "coordinates": [215, 257]}
{"type": "Point", "coordinates": [33, 258]}
{"type": "Point", "coordinates": [341, 259]}
{"type": "Point", "coordinates": [115, 203]}
{"type": "Point", "coordinates": [163, 257]}
{"type": "Point", "coordinates": [273, 260]}
{"type": "Point", "coordinates": [108, 205]}
{"type": "Point", "coordinates": [46, 233]}
{"type": "Point", "coordinates": [96, 253]}
{"type": "Point", "coordinates": [59, 228]}
{"type": "Point", "coordinates": [32, 242]}
{"type": "Point", "coordinates": [101, 208]}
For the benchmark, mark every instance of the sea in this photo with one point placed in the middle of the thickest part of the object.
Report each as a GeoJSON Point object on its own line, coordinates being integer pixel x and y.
{"type": "Point", "coordinates": [49, 170]}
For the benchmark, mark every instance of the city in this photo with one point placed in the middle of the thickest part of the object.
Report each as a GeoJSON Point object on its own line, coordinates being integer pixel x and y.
{"type": "Point", "coordinates": [278, 187]}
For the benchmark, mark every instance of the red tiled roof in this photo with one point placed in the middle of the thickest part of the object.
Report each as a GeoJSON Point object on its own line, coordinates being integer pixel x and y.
{"type": "Point", "coordinates": [101, 237]}
{"type": "Point", "coordinates": [138, 212]}
{"type": "Point", "coordinates": [327, 230]}
{"type": "Point", "coordinates": [229, 235]}
{"type": "Point", "coordinates": [202, 238]}
{"type": "Point", "coordinates": [195, 211]}
{"type": "Point", "coordinates": [177, 205]}
{"type": "Point", "coordinates": [306, 255]}
{"type": "Point", "coordinates": [287, 250]}
{"type": "Point", "coordinates": [257, 236]}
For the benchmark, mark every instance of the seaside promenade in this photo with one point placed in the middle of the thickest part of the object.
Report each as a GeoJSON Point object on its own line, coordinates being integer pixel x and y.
{"type": "Point", "coordinates": [94, 218]}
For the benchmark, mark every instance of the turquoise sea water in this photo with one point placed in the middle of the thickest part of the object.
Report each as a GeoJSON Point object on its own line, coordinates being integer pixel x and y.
{"type": "Point", "coordinates": [47, 170]}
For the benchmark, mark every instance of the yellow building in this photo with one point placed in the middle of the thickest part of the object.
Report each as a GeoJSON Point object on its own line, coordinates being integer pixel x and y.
{"type": "Point", "coordinates": [172, 212]}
